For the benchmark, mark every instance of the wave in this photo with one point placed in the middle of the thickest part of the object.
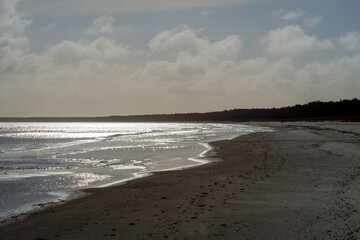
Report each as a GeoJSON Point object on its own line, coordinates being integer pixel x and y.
{"type": "Point", "coordinates": [17, 176]}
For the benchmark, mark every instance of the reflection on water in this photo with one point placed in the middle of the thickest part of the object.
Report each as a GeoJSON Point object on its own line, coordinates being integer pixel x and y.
{"type": "Point", "coordinates": [40, 159]}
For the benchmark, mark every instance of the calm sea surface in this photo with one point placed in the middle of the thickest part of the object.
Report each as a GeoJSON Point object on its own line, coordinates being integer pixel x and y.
{"type": "Point", "coordinates": [42, 162]}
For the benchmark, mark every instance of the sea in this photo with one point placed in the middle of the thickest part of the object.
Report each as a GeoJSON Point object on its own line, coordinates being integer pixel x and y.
{"type": "Point", "coordinates": [43, 162]}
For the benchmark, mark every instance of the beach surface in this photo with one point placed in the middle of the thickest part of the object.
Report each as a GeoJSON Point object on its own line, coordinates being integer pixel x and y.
{"type": "Point", "coordinates": [300, 181]}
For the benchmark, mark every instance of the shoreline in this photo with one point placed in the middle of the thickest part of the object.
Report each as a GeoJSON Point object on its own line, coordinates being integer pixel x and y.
{"type": "Point", "coordinates": [69, 195]}
{"type": "Point", "coordinates": [286, 184]}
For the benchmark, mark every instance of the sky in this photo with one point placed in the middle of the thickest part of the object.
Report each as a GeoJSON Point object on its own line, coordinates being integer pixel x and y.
{"type": "Point", "coordinates": [124, 57]}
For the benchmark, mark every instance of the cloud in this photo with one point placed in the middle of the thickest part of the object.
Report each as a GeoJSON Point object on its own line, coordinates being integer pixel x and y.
{"type": "Point", "coordinates": [101, 49]}
{"type": "Point", "coordinates": [338, 78]}
{"type": "Point", "coordinates": [73, 7]}
{"type": "Point", "coordinates": [101, 26]}
{"type": "Point", "coordinates": [351, 41]}
{"type": "Point", "coordinates": [177, 40]}
{"type": "Point", "coordinates": [312, 22]}
{"type": "Point", "coordinates": [193, 64]}
{"type": "Point", "coordinates": [176, 86]}
{"type": "Point", "coordinates": [184, 71]}
{"type": "Point", "coordinates": [11, 21]}
{"type": "Point", "coordinates": [297, 15]}
{"type": "Point", "coordinates": [226, 49]}
{"type": "Point", "coordinates": [291, 41]}
{"type": "Point", "coordinates": [104, 26]}
{"type": "Point", "coordinates": [185, 41]}
{"type": "Point", "coordinates": [14, 56]}
{"type": "Point", "coordinates": [291, 15]}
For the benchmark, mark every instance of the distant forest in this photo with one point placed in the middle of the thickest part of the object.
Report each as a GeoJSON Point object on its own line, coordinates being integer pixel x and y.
{"type": "Point", "coordinates": [343, 110]}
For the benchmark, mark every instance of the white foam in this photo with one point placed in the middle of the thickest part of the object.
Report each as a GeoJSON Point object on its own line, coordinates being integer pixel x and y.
{"type": "Point", "coordinates": [198, 161]}
{"type": "Point", "coordinates": [16, 176]}
{"type": "Point", "coordinates": [209, 148]}
{"type": "Point", "coordinates": [135, 175]}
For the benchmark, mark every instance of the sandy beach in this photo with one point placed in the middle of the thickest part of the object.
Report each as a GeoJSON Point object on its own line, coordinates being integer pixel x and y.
{"type": "Point", "coordinates": [300, 181]}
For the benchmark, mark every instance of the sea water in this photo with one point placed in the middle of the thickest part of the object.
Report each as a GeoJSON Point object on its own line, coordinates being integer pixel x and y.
{"type": "Point", "coordinates": [44, 162]}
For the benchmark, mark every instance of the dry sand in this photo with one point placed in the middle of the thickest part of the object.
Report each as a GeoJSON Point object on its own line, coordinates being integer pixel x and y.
{"type": "Point", "coordinates": [301, 181]}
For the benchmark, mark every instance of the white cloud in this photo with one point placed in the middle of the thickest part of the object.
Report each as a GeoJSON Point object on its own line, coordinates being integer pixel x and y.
{"type": "Point", "coordinates": [11, 21]}
{"type": "Point", "coordinates": [298, 14]}
{"type": "Point", "coordinates": [351, 41]}
{"type": "Point", "coordinates": [102, 25]}
{"type": "Point", "coordinates": [100, 49]}
{"type": "Point", "coordinates": [226, 49]}
{"type": "Point", "coordinates": [177, 40]}
{"type": "Point", "coordinates": [185, 41]}
{"type": "Point", "coordinates": [291, 15]}
{"type": "Point", "coordinates": [292, 40]}
{"type": "Point", "coordinates": [338, 78]}
{"type": "Point", "coordinates": [246, 67]}
{"type": "Point", "coordinates": [194, 60]}
{"type": "Point", "coordinates": [312, 22]}
{"type": "Point", "coordinates": [14, 56]}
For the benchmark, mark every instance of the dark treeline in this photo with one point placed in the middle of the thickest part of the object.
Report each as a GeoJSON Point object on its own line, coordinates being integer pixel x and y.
{"type": "Point", "coordinates": [345, 110]}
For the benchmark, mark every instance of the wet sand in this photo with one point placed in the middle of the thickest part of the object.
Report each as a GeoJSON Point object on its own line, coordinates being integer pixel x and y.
{"type": "Point", "coordinates": [300, 181]}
